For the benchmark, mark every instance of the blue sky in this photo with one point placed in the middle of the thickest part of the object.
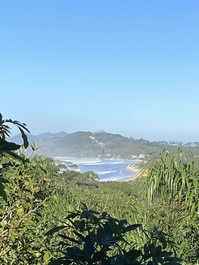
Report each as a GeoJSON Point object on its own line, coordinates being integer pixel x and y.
{"type": "Point", "coordinates": [129, 67]}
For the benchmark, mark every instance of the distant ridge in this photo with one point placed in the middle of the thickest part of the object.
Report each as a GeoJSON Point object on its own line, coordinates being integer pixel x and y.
{"type": "Point", "coordinates": [100, 144]}
{"type": "Point", "coordinates": [40, 137]}
{"type": "Point", "coordinates": [88, 144]}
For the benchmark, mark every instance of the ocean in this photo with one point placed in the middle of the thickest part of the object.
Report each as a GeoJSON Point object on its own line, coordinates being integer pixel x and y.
{"type": "Point", "coordinates": [107, 169]}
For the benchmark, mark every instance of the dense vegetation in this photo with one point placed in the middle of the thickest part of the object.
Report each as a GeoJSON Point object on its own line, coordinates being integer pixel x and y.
{"type": "Point", "coordinates": [49, 215]}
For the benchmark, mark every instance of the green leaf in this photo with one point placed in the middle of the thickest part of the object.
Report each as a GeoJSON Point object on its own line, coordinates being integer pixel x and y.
{"type": "Point", "coordinates": [25, 138]}
{"type": "Point", "coordinates": [59, 262]}
{"type": "Point", "coordinates": [54, 230]}
{"type": "Point", "coordinates": [2, 192]}
{"type": "Point", "coordinates": [17, 156]}
{"type": "Point", "coordinates": [134, 254]}
{"type": "Point", "coordinates": [47, 257]}
{"type": "Point", "coordinates": [20, 211]}
{"type": "Point", "coordinates": [173, 259]}
{"type": "Point", "coordinates": [69, 238]}
{"type": "Point", "coordinates": [8, 146]}
{"type": "Point", "coordinates": [132, 227]}
{"type": "Point", "coordinates": [3, 180]}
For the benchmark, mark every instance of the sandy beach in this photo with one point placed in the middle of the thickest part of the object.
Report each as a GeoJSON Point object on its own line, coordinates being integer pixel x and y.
{"type": "Point", "coordinates": [135, 169]}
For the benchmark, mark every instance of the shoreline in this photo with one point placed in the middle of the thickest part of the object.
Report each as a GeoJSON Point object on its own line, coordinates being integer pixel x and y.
{"type": "Point", "coordinates": [133, 166]}
{"type": "Point", "coordinates": [135, 169]}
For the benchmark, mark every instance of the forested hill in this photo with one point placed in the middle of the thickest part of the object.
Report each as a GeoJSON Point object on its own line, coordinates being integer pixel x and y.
{"type": "Point", "coordinates": [87, 144]}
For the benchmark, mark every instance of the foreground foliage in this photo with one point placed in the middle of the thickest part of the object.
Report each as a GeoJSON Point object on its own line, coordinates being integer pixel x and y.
{"type": "Point", "coordinates": [101, 239]}
{"type": "Point", "coordinates": [36, 194]}
{"type": "Point", "coordinates": [173, 185]}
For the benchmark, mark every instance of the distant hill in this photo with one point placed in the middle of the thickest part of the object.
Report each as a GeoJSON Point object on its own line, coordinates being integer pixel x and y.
{"type": "Point", "coordinates": [38, 138]}
{"type": "Point", "coordinates": [88, 144]}
{"type": "Point", "coordinates": [102, 144]}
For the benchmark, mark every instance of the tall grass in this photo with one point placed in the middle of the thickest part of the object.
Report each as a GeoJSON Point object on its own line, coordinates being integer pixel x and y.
{"type": "Point", "coordinates": [172, 188]}
{"type": "Point", "coordinates": [174, 178]}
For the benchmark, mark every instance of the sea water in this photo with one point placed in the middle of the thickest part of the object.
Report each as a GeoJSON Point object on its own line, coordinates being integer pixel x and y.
{"type": "Point", "coordinates": [106, 169]}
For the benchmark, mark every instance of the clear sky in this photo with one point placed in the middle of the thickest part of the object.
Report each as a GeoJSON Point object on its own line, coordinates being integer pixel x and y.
{"type": "Point", "coordinates": [129, 67]}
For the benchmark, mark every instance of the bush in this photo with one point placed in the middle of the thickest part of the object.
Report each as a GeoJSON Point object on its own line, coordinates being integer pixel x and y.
{"type": "Point", "coordinates": [88, 237]}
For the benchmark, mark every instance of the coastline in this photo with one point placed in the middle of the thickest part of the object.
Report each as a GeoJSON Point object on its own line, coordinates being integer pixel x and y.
{"type": "Point", "coordinates": [135, 169]}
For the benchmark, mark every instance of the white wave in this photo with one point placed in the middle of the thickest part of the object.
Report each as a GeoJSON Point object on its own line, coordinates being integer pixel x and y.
{"type": "Point", "coordinates": [77, 160]}
{"type": "Point", "coordinates": [96, 162]}
{"type": "Point", "coordinates": [89, 163]}
{"type": "Point", "coordinates": [74, 169]}
{"type": "Point", "coordinates": [119, 178]}
{"type": "Point", "coordinates": [93, 161]}
{"type": "Point", "coordinates": [106, 172]}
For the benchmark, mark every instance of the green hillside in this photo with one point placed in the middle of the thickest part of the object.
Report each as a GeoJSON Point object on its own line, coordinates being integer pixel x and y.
{"type": "Point", "coordinates": [101, 144]}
